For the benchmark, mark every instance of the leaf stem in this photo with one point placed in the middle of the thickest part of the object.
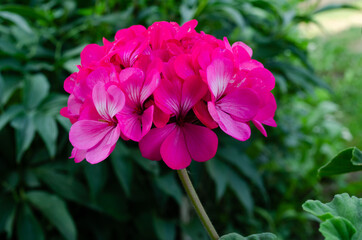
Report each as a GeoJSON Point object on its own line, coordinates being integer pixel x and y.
{"type": "Point", "coordinates": [191, 193]}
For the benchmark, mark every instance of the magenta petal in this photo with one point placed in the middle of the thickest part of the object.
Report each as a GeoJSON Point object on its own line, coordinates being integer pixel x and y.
{"type": "Point", "coordinates": [160, 118]}
{"type": "Point", "coordinates": [132, 80]}
{"type": "Point", "coordinates": [244, 46]}
{"type": "Point", "coordinates": [167, 97]}
{"type": "Point", "coordinates": [108, 102]}
{"type": "Point", "coordinates": [174, 150]}
{"type": "Point", "coordinates": [193, 90]}
{"type": "Point", "coordinates": [200, 110]}
{"type": "Point", "coordinates": [238, 130]}
{"type": "Point", "coordinates": [151, 143]}
{"type": "Point", "coordinates": [183, 66]}
{"type": "Point", "coordinates": [98, 75]}
{"type": "Point", "coordinates": [78, 155]}
{"type": "Point", "coordinates": [130, 123]}
{"type": "Point", "coordinates": [219, 73]}
{"type": "Point", "coordinates": [260, 127]}
{"type": "Point", "coordinates": [151, 83]}
{"type": "Point", "coordinates": [85, 134]}
{"type": "Point", "coordinates": [147, 118]}
{"type": "Point", "coordinates": [240, 103]}
{"type": "Point", "coordinates": [262, 79]}
{"type": "Point", "coordinates": [104, 148]}
{"type": "Point", "coordinates": [201, 142]}
{"type": "Point", "coordinates": [91, 53]}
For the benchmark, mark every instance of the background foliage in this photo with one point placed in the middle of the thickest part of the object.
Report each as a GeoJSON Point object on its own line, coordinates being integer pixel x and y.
{"type": "Point", "coordinates": [249, 187]}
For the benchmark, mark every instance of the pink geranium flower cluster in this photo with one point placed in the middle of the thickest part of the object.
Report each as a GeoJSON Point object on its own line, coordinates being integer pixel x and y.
{"type": "Point", "coordinates": [166, 87]}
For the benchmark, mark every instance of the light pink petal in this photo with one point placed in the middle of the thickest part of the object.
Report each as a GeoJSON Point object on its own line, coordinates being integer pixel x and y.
{"type": "Point", "coordinates": [262, 79]}
{"type": "Point", "coordinates": [151, 143]}
{"type": "Point", "coordinates": [201, 112]}
{"type": "Point", "coordinates": [201, 142]}
{"type": "Point", "coordinates": [270, 122]}
{"type": "Point", "coordinates": [108, 102]}
{"type": "Point", "coordinates": [174, 150]}
{"type": "Point", "coordinates": [240, 103]}
{"type": "Point", "coordinates": [193, 90]}
{"type": "Point", "coordinates": [104, 148]}
{"type": "Point", "coordinates": [91, 53]}
{"type": "Point", "coordinates": [183, 66]}
{"type": "Point", "coordinates": [85, 134]}
{"type": "Point", "coordinates": [78, 155]}
{"type": "Point", "coordinates": [238, 130]}
{"type": "Point", "coordinates": [219, 73]}
{"type": "Point", "coordinates": [147, 118]}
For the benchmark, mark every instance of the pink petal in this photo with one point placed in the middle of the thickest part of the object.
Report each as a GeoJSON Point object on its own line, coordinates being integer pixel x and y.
{"type": "Point", "coordinates": [92, 53]}
{"type": "Point", "coordinates": [160, 118]}
{"type": "Point", "coordinates": [201, 142]}
{"type": "Point", "coordinates": [262, 79]}
{"type": "Point", "coordinates": [69, 82]}
{"type": "Point", "coordinates": [183, 66]}
{"type": "Point", "coordinates": [98, 75]}
{"type": "Point", "coordinates": [78, 155]}
{"type": "Point", "coordinates": [108, 102]}
{"type": "Point", "coordinates": [151, 143]}
{"type": "Point", "coordinates": [85, 134]}
{"type": "Point", "coordinates": [187, 27]}
{"type": "Point", "coordinates": [240, 54]}
{"type": "Point", "coordinates": [243, 46]}
{"type": "Point", "coordinates": [168, 96]}
{"type": "Point", "coordinates": [104, 148]}
{"type": "Point", "coordinates": [130, 123]}
{"type": "Point", "coordinates": [159, 32]}
{"type": "Point", "coordinates": [174, 151]}
{"type": "Point", "coordinates": [151, 83]}
{"type": "Point", "coordinates": [193, 90]}
{"type": "Point", "coordinates": [200, 110]}
{"type": "Point", "coordinates": [147, 118]}
{"type": "Point", "coordinates": [132, 80]}
{"type": "Point", "coordinates": [219, 73]}
{"type": "Point", "coordinates": [240, 103]}
{"type": "Point", "coordinates": [250, 65]}
{"type": "Point", "coordinates": [238, 130]}
{"type": "Point", "coordinates": [268, 109]}
{"type": "Point", "coordinates": [260, 127]}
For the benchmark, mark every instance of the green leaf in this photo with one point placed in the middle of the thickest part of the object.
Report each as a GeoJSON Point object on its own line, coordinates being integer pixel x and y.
{"type": "Point", "coordinates": [7, 213]}
{"type": "Point", "coordinates": [349, 160]}
{"type": "Point", "coordinates": [337, 229]}
{"type": "Point", "coordinates": [55, 210]}
{"type": "Point", "coordinates": [28, 228]}
{"type": "Point", "coordinates": [223, 176]}
{"type": "Point", "coordinates": [336, 6]}
{"type": "Point", "coordinates": [343, 206]}
{"type": "Point", "coordinates": [24, 133]}
{"type": "Point", "coordinates": [48, 131]}
{"type": "Point", "coordinates": [63, 184]}
{"type": "Point", "coordinates": [122, 167]}
{"type": "Point", "coordinates": [96, 175]}
{"type": "Point", "coordinates": [260, 236]}
{"type": "Point", "coordinates": [168, 184]}
{"type": "Point", "coordinates": [35, 90]}
{"type": "Point", "coordinates": [8, 84]}
{"type": "Point", "coordinates": [16, 19]}
{"type": "Point", "coordinates": [9, 114]}
{"type": "Point", "coordinates": [165, 230]}
{"type": "Point", "coordinates": [146, 164]}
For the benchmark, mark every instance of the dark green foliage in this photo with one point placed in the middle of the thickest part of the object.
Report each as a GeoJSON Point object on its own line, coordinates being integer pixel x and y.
{"type": "Point", "coordinates": [249, 187]}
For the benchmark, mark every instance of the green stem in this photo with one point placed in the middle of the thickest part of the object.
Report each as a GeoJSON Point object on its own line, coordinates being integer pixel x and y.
{"type": "Point", "coordinates": [191, 193]}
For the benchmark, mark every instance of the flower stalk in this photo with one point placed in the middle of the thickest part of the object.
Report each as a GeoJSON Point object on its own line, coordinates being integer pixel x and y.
{"type": "Point", "coordinates": [191, 193]}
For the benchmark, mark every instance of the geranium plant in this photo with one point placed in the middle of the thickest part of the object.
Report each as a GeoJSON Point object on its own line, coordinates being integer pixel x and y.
{"type": "Point", "coordinates": [167, 87]}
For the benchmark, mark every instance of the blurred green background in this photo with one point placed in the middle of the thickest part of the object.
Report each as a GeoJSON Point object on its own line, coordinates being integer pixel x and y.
{"type": "Point", "coordinates": [314, 49]}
